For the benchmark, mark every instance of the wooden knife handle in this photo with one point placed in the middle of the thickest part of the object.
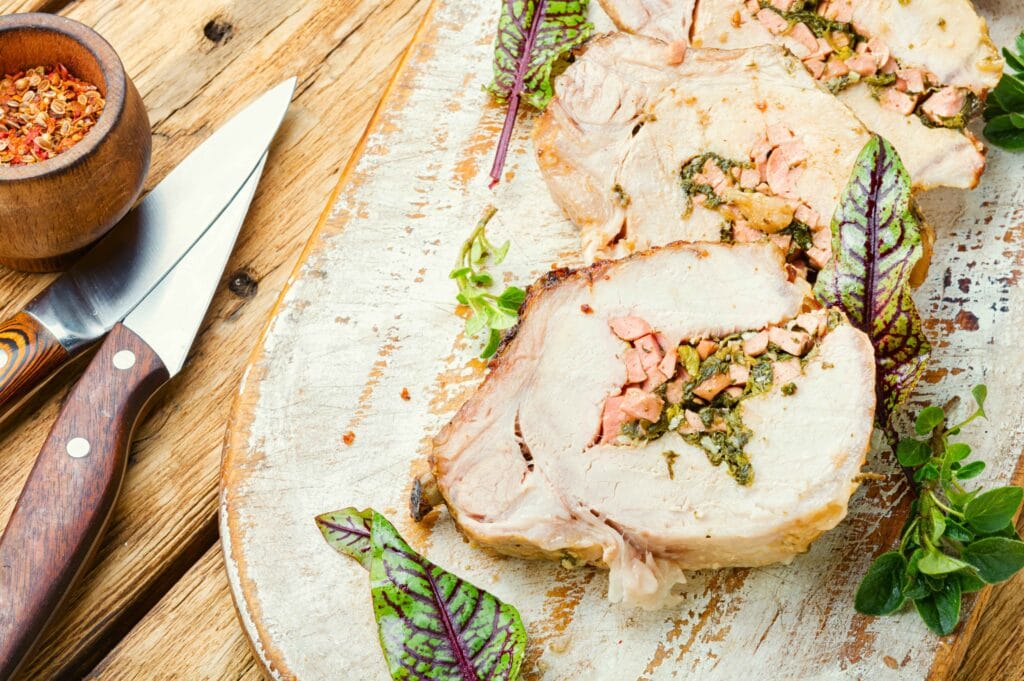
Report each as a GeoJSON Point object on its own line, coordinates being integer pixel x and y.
{"type": "Point", "coordinates": [28, 355]}
{"type": "Point", "coordinates": [70, 492]}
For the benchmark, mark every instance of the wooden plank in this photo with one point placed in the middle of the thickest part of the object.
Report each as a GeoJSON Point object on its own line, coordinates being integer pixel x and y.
{"type": "Point", "coordinates": [393, 332]}
{"type": "Point", "coordinates": [343, 53]}
{"type": "Point", "coordinates": [192, 633]}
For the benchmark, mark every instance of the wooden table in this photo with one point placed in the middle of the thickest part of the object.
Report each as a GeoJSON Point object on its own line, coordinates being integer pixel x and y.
{"type": "Point", "coordinates": [155, 604]}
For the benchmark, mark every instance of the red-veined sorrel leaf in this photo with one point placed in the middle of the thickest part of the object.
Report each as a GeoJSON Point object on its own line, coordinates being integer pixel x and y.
{"type": "Point", "coordinates": [533, 35]}
{"type": "Point", "coordinates": [876, 241]}
{"type": "Point", "coordinates": [433, 625]}
{"type": "Point", "coordinates": [348, 531]}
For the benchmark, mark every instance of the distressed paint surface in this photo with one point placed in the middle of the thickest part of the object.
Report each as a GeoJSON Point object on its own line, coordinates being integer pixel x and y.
{"type": "Point", "coordinates": [370, 312]}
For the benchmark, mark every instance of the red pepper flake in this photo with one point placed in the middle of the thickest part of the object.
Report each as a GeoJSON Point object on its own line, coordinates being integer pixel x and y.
{"type": "Point", "coordinates": [586, 309]}
{"type": "Point", "coordinates": [44, 111]}
{"type": "Point", "coordinates": [348, 438]}
{"type": "Point", "coordinates": [405, 394]}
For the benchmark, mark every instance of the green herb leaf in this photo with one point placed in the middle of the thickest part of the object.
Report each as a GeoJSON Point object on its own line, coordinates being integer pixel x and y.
{"type": "Point", "coordinates": [958, 532]}
{"type": "Point", "coordinates": [996, 558]}
{"type": "Point", "coordinates": [980, 394]}
{"type": "Point", "coordinates": [912, 453]}
{"type": "Point", "coordinates": [941, 610]}
{"type": "Point", "coordinates": [958, 451]}
{"type": "Point", "coordinates": [971, 470]}
{"type": "Point", "coordinates": [928, 420]}
{"type": "Point", "coordinates": [876, 241]}
{"type": "Point", "coordinates": [433, 625]}
{"type": "Point", "coordinates": [938, 525]}
{"type": "Point", "coordinates": [970, 582]}
{"type": "Point", "coordinates": [1004, 109]}
{"type": "Point", "coordinates": [881, 590]}
{"type": "Point", "coordinates": [993, 510]}
{"type": "Point", "coordinates": [533, 37]}
{"type": "Point", "coordinates": [936, 562]}
{"type": "Point", "coordinates": [348, 532]}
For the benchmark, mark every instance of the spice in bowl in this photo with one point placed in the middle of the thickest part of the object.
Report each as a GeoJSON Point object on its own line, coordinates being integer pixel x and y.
{"type": "Point", "coordinates": [44, 111]}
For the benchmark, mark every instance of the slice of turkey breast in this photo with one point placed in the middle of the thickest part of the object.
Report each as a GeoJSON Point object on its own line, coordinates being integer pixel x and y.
{"type": "Point", "coordinates": [521, 470]}
{"type": "Point", "coordinates": [945, 38]}
{"type": "Point", "coordinates": [668, 20]}
{"type": "Point", "coordinates": [612, 151]}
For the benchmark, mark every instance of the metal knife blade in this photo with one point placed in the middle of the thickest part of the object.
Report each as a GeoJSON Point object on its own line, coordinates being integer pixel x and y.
{"type": "Point", "coordinates": [110, 280]}
{"type": "Point", "coordinates": [168, 318]}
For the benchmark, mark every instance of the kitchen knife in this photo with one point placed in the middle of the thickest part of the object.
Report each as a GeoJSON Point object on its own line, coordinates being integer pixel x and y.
{"type": "Point", "coordinates": [65, 504]}
{"type": "Point", "coordinates": [85, 303]}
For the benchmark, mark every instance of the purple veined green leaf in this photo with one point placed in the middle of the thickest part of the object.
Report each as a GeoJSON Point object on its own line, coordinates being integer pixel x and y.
{"type": "Point", "coordinates": [348, 532]}
{"type": "Point", "coordinates": [876, 241]}
{"type": "Point", "coordinates": [533, 35]}
{"type": "Point", "coordinates": [435, 626]}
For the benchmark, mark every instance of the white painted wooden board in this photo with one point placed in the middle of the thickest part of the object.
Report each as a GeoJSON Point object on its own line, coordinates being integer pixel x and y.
{"type": "Point", "coordinates": [370, 312]}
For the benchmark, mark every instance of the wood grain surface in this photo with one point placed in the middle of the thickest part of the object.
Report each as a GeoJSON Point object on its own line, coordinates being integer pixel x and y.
{"type": "Point", "coordinates": [28, 354]}
{"type": "Point", "coordinates": [194, 62]}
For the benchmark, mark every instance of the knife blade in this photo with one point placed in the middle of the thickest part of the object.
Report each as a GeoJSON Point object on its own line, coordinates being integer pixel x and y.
{"type": "Point", "coordinates": [83, 305]}
{"type": "Point", "coordinates": [65, 504]}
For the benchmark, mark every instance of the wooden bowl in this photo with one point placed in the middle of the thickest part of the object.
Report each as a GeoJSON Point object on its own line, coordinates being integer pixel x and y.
{"type": "Point", "coordinates": [52, 210]}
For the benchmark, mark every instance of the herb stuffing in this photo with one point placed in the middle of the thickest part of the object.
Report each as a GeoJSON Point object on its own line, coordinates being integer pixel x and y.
{"type": "Point", "coordinates": [428, 618]}
{"type": "Point", "coordinates": [956, 540]}
{"type": "Point", "coordinates": [492, 313]}
{"type": "Point", "coordinates": [533, 41]}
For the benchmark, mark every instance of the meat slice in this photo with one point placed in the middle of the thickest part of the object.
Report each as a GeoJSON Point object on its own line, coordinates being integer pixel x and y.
{"type": "Point", "coordinates": [945, 39]}
{"type": "Point", "coordinates": [522, 470]}
{"type": "Point", "coordinates": [667, 20]}
{"type": "Point", "coordinates": [620, 181]}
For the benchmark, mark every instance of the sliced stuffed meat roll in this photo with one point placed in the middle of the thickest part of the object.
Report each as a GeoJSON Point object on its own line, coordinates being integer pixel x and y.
{"type": "Point", "coordinates": [688, 407]}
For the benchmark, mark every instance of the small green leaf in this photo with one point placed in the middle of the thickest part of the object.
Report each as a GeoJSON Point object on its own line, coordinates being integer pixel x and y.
{"type": "Point", "coordinates": [460, 272]}
{"type": "Point", "coordinates": [482, 279]}
{"type": "Point", "coordinates": [996, 558]}
{"type": "Point", "coordinates": [958, 532]}
{"type": "Point", "coordinates": [941, 610]}
{"type": "Point", "coordinates": [935, 562]}
{"type": "Point", "coordinates": [915, 559]}
{"type": "Point", "coordinates": [500, 320]}
{"type": "Point", "coordinates": [475, 324]}
{"type": "Point", "coordinates": [915, 588]}
{"type": "Point", "coordinates": [938, 525]}
{"type": "Point", "coordinates": [881, 590]}
{"type": "Point", "coordinates": [1010, 532]}
{"type": "Point", "coordinates": [970, 581]}
{"type": "Point", "coordinates": [958, 451]}
{"type": "Point", "coordinates": [993, 510]}
{"type": "Point", "coordinates": [348, 532]}
{"type": "Point", "coordinates": [971, 470]}
{"type": "Point", "coordinates": [927, 473]}
{"type": "Point", "coordinates": [912, 453]}
{"type": "Point", "coordinates": [492, 345]}
{"type": "Point", "coordinates": [1012, 60]}
{"type": "Point", "coordinates": [500, 252]}
{"type": "Point", "coordinates": [980, 393]}
{"type": "Point", "coordinates": [1001, 132]}
{"type": "Point", "coordinates": [512, 298]}
{"type": "Point", "coordinates": [928, 419]}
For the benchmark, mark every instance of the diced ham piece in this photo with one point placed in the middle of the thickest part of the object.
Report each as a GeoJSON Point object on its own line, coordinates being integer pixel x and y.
{"type": "Point", "coordinates": [692, 423]}
{"type": "Point", "coordinates": [756, 345]}
{"type": "Point", "coordinates": [794, 342]}
{"type": "Point", "coordinates": [783, 241]}
{"type": "Point", "coordinates": [900, 102]}
{"type": "Point", "coordinates": [836, 68]}
{"type": "Point", "coordinates": [812, 323]}
{"type": "Point", "coordinates": [785, 371]}
{"type": "Point", "coordinates": [946, 103]}
{"type": "Point", "coordinates": [879, 51]}
{"type": "Point", "coordinates": [890, 66]}
{"type": "Point", "coordinates": [654, 379]}
{"type": "Point", "coordinates": [910, 80]}
{"type": "Point", "coordinates": [634, 367]}
{"type": "Point", "coordinates": [650, 352]}
{"type": "Point", "coordinates": [749, 178]}
{"type": "Point", "coordinates": [712, 386]}
{"type": "Point", "coordinates": [807, 215]}
{"type": "Point", "coordinates": [819, 257]}
{"type": "Point", "coordinates": [676, 52]}
{"type": "Point", "coordinates": [743, 233]}
{"type": "Point", "coordinates": [803, 35]}
{"type": "Point", "coordinates": [629, 328]}
{"type": "Point", "coordinates": [824, 49]}
{"type": "Point", "coordinates": [714, 176]}
{"type": "Point", "coordinates": [668, 364]}
{"type": "Point", "coordinates": [778, 135]}
{"type": "Point", "coordinates": [738, 374]}
{"type": "Point", "coordinates": [638, 404]}
{"type": "Point", "coordinates": [816, 67]}
{"type": "Point", "coordinates": [864, 64]}
{"type": "Point", "coordinates": [612, 419]}
{"type": "Point", "coordinates": [771, 20]}
{"type": "Point", "coordinates": [838, 10]}
{"type": "Point", "coordinates": [734, 391]}
{"type": "Point", "coordinates": [674, 391]}
{"type": "Point", "coordinates": [706, 348]}
{"type": "Point", "coordinates": [783, 5]}
{"type": "Point", "coordinates": [780, 171]}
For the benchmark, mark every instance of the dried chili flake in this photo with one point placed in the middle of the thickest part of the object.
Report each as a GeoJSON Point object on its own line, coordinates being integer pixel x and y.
{"type": "Point", "coordinates": [44, 111]}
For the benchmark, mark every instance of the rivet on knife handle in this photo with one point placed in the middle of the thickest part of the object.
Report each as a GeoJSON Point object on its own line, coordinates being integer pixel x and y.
{"type": "Point", "coordinates": [28, 355]}
{"type": "Point", "coordinates": [70, 492]}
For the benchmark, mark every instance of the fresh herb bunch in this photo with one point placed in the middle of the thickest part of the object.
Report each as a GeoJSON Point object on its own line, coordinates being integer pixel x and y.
{"type": "Point", "coordinates": [1004, 111]}
{"type": "Point", "coordinates": [494, 313]}
{"type": "Point", "coordinates": [955, 540]}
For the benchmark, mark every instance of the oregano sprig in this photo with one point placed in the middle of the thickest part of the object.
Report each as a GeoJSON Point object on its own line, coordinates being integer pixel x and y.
{"type": "Point", "coordinates": [956, 540]}
{"type": "Point", "coordinates": [495, 314]}
{"type": "Point", "coordinates": [1004, 110]}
